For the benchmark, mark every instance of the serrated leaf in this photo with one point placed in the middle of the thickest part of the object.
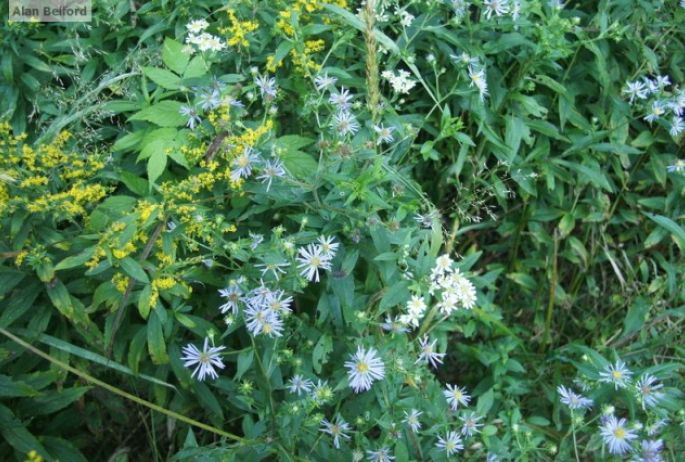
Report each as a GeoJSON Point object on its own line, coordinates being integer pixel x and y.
{"type": "Point", "coordinates": [10, 387]}
{"type": "Point", "coordinates": [163, 78]}
{"type": "Point", "coordinates": [136, 184]}
{"type": "Point", "coordinates": [300, 164]}
{"type": "Point", "coordinates": [164, 114]}
{"type": "Point", "coordinates": [173, 56]}
{"type": "Point", "coordinates": [196, 68]}
{"type": "Point", "coordinates": [128, 142]}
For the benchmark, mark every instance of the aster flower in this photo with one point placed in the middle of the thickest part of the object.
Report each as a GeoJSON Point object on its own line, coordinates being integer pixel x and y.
{"type": "Point", "coordinates": [341, 100]}
{"type": "Point", "coordinates": [233, 293]}
{"type": "Point", "coordinates": [206, 360]}
{"type": "Point", "coordinates": [267, 85]}
{"type": "Point", "coordinates": [192, 114]}
{"type": "Point", "coordinates": [384, 134]}
{"type": "Point", "coordinates": [412, 419]}
{"type": "Point", "coordinates": [617, 374]}
{"type": "Point", "coordinates": [636, 89]}
{"type": "Point", "coordinates": [324, 81]}
{"type": "Point", "coordinates": [278, 302]}
{"type": "Point", "coordinates": [649, 451]}
{"type": "Point", "coordinates": [275, 268]}
{"type": "Point", "coordinates": [678, 166]}
{"type": "Point", "coordinates": [470, 424]}
{"type": "Point", "coordinates": [299, 384]}
{"type": "Point", "coordinates": [336, 429]}
{"type": "Point", "coordinates": [381, 455]}
{"type": "Point", "coordinates": [311, 260]}
{"type": "Point", "coordinates": [498, 7]}
{"type": "Point", "coordinates": [456, 396]}
{"type": "Point", "coordinates": [322, 393]}
{"type": "Point", "coordinates": [646, 390]}
{"type": "Point", "coordinates": [345, 123]}
{"type": "Point", "coordinates": [272, 169]}
{"type": "Point", "coordinates": [364, 369]}
{"type": "Point", "coordinates": [256, 317]}
{"type": "Point", "coordinates": [209, 100]}
{"type": "Point", "coordinates": [256, 240]}
{"type": "Point", "coordinates": [394, 325]}
{"type": "Point", "coordinates": [677, 126]}
{"type": "Point", "coordinates": [465, 58]}
{"type": "Point", "coordinates": [616, 435]}
{"type": "Point", "coordinates": [478, 80]}
{"type": "Point", "coordinates": [571, 399]}
{"type": "Point", "coordinates": [451, 444]}
{"type": "Point", "coordinates": [428, 352]}
{"type": "Point", "coordinates": [656, 112]}
{"type": "Point", "coordinates": [244, 163]}
{"type": "Point", "coordinates": [656, 427]}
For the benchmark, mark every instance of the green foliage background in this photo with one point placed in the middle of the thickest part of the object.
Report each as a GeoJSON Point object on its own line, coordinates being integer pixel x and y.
{"type": "Point", "coordinates": [554, 190]}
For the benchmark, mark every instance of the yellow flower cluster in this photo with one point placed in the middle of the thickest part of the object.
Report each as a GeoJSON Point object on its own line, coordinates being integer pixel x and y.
{"type": "Point", "coordinates": [238, 30]}
{"type": "Point", "coordinates": [120, 282]}
{"type": "Point", "coordinates": [46, 179]}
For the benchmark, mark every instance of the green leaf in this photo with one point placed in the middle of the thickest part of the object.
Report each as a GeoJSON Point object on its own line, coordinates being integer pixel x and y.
{"type": "Point", "coordinates": [136, 184]}
{"type": "Point", "coordinates": [156, 165]}
{"type": "Point", "coordinates": [110, 210]}
{"type": "Point", "coordinates": [485, 402]}
{"type": "Point", "coordinates": [133, 269]}
{"type": "Point", "coordinates": [196, 68]}
{"type": "Point", "coordinates": [12, 388]}
{"type": "Point", "coordinates": [595, 176]}
{"type": "Point", "coordinates": [155, 340]}
{"type": "Point", "coordinates": [164, 114]}
{"type": "Point", "coordinates": [144, 301]}
{"type": "Point", "coordinates": [75, 260]}
{"type": "Point", "coordinates": [50, 401]}
{"type": "Point", "coordinates": [300, 164]}
{"type": "Point", "coordinates": [14, 432]}
{"type": "Point", "coordinates": [173, 56]}
{"type": "Point", "coordinates": [677, 233]}
{"type": "Point", "coordinates": [397, 294]}
{"type": "Point", "coordinates": [9, 279]}
{"type": "Point", "coordinates": [128, 142]}
{"type": "Point", "coordinates": [322, 350]}
{"type": "Point", "coordinates": [163, 78]}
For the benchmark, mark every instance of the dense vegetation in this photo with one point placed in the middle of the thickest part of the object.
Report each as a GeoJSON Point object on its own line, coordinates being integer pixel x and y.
{"type": "Point", "coordinates": [270, 230]}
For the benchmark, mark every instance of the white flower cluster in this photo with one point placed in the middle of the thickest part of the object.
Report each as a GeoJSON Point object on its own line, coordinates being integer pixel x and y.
{"type": "Point", "coordinates": [477, 74]}
{"type": "Point", "coordinates": [456, 290]}
{"type": "Point", "coordinates": [203, 40]}
{"type": "Point", "coordinates": [401, 82]}
{"type": "Point", "coordinates": [661, 100]}
{"type": "Point", "coordinates": [264, 308]}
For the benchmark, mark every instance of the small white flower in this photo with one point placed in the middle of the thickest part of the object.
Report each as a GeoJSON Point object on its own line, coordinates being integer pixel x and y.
{"type": "Point", "coordinates": [646, 389]}
{"type": "Point", "coordinates": [656, 112]}
{"type": "Point", "coordinates": [324, 81]}
{"type": "Point", "coordinates": [311, 259]}
{"type": "Point", "coordinates": [649, 451]}
{"type": "Point", "coordinates": [233, 294]}
{"type": "Point", "coordinates": [192, 114]}
{"type": "Point", "coordinates": [444, 263]}
{"type": "Point", "coordinates": [678, 166]}
{"type": "Point", "coordinates": [616, 435]}
{"type": "Point", "coordinates": [278, 302]}
{"type": "Point", "coordinates": [451, 444]}
{"type": "Point", "coordinates": [636, 89]}
{"type": "Point", "coordinates": [345, 123]}
{"type": "Point", "coordinates": [256, 240]}
{"type": "Point", "coordinates": [267, 85]}
{"type": "Point", "coordinates": [328, 247]}
{"type": "Point", "coordinates": [498, 7]}
{"type": "Point", "coordinates": [617, 374]}
{"type": "Point", "coordinates": [456, 396]}
{"type": "Point", "coordinates": [478, 80]}
{"type": "Point", "coordinates": [209, 100]}
{"type": "Point", "coordinates": [336, 429]}
{"type": "Point", "coordinates": [272, 169]}
{"type": "Point", "coordinates": [384, 134]}
{"type": "Point", "coordinates": [412, 419]}
{"type": "Point", "coordinates": [197, 26]}
{"type": "Point", "coordinates": [341, 100]}
{"type": "Point", "coordinates": [206, 360]}
{"type": "Point", "coordinates": [677, 126]}
{"type": "Point", "coordinates": [571, 399]}
{"type": "Point", "coordinates": [428, 352]}
{"type": "Point", "coordinates": [299, 384]}
{"type": "Point", "coordinates": [243, 163]}
{"type": "Point", "coordinates": [394, 325]}
{"type": "Point", "coordinates": [416, 304]}
{"type": "Point", "coordinates": [364, 369]}
{"type": "Point", "coordinates": [382, 455]}
{"type": "Point", "coordinates": [275, 268]}
{"type": "Point", "coordinates": [470, 424]}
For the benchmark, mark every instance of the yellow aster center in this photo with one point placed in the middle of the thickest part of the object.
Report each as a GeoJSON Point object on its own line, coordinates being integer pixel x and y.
{"type": "Point", "coordinates": [620, 433]}
{"type": "Point", "coordinates": [267, 328]}
{"type": "Point", "coordinates": [617, 375]}
{"type": "Point", "coordinates": [315, 262]}
{"type": "Point", "coordinates": [243, 161]}
{"type": "Point", "coordinates": [204, 358]}
{"type": "Point", "coordinates": [458, 395]}
{"type": "Point", "coordinates": [362, 367]}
